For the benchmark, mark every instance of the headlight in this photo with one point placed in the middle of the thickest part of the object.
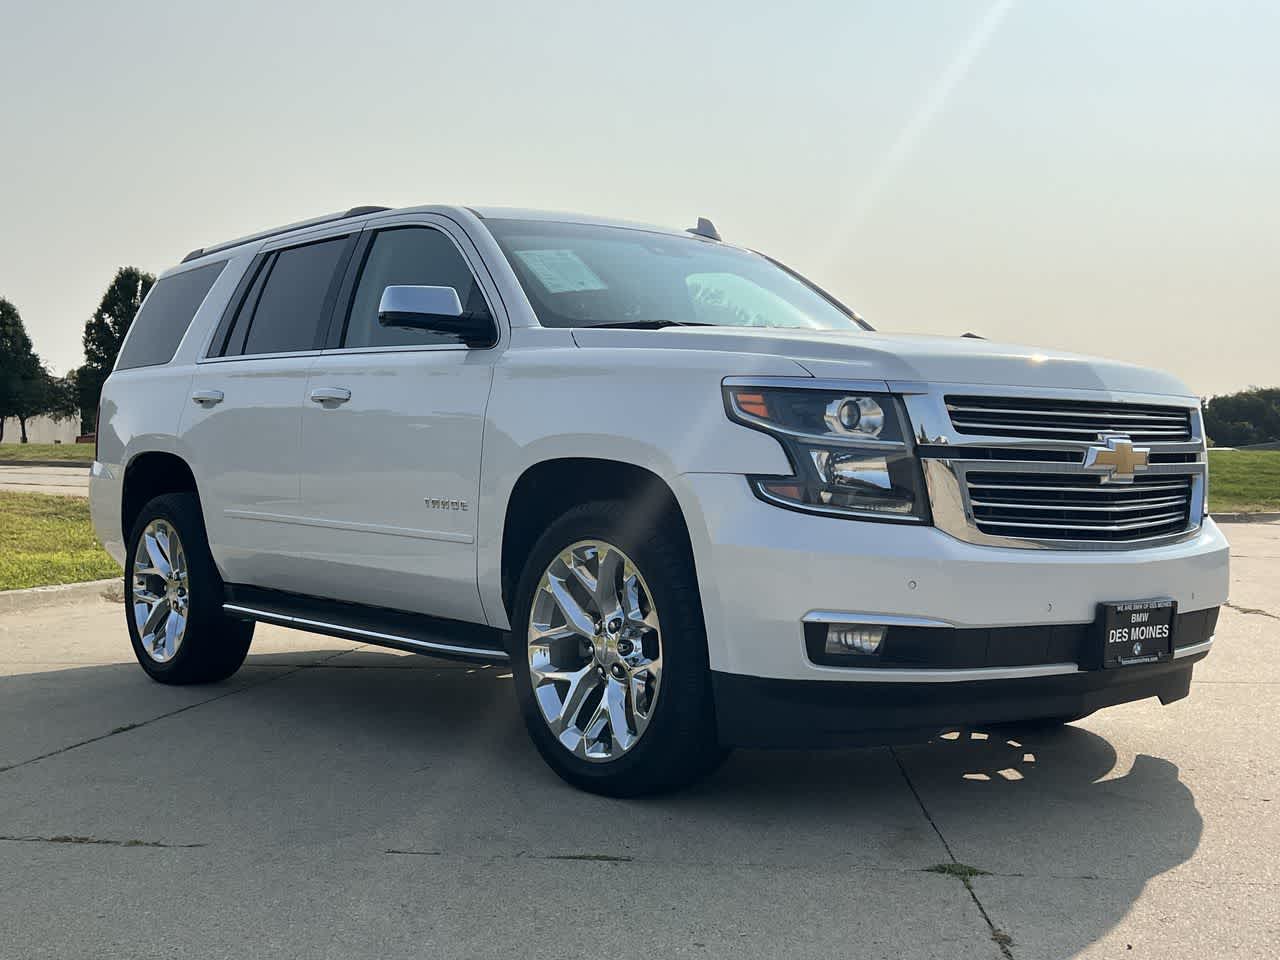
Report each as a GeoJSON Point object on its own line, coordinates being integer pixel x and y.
{"type": "Point", "coordinates": [850, 451]}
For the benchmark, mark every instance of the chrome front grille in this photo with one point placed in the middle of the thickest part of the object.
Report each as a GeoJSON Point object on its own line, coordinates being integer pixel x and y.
{"type": "Point", "coordinates": [1013, 467]}
{"type": "Point", "coordinates": [1072, 507]}
{"type": "Point", "coordinates": [1033, 418]}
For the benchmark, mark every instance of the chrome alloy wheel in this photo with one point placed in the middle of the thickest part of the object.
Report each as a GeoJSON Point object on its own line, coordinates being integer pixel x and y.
{"type": "Point", "coordinates": [160, 598]}
{"type": "Point", "coordinates": [595, 650]}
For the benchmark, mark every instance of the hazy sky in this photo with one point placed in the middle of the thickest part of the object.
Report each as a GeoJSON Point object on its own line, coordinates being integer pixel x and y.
{"type": "Point", "coordinates": [1097, 176]}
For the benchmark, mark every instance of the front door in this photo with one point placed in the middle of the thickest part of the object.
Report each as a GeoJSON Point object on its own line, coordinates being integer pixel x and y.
{"type": "Point", "coordinates": [391, 434]}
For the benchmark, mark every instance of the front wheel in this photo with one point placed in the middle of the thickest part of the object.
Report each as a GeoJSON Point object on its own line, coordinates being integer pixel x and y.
{"type": "Point", "coordinates": [173, 597]}
{"type": "Point", "coordinates": [609, 654]}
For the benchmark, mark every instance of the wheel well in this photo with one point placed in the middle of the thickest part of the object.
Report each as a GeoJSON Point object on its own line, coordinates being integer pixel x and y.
{"type": "Point", "coordinates": [548, 489]}
{"type": "Point", "coordinates": [151, 475]}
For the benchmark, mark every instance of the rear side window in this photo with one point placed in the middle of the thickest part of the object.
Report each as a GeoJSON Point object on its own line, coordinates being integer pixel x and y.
{"type": "Point", "coordinates": [416, 256]}
{"type": "Point", "coordinates": [287, 307]}
{"type": "Point", "coordinates": [163, 319]}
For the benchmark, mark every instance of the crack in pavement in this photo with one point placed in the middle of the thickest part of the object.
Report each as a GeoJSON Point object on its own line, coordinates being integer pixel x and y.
{"type": "Point", "coordinates": [950, 869]}
{"type": "Point", "coordinates": [97, 841]}
{"type": "Point", "coordinates": [163, 716]}
{"type": "Point", "coordinates": [1255, 611]}
{"type": "Point", "coordinates": [998, 936]}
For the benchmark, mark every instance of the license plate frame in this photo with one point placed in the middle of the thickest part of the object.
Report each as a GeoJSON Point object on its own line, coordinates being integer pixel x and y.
{"type": "Point", "coordinates": [1135, 632]}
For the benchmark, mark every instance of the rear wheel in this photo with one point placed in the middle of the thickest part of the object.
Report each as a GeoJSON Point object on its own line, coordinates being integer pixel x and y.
{"type": "Point", "coordinates": [609, 654]}
{"type": "Point", "coordinates": [173, 597]}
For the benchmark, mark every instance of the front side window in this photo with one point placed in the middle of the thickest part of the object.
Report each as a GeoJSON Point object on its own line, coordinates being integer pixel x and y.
{"type": "Point", "coordinates": [410, 256]}
{"type": "Point", "coordinates": [587, 275]}
{"type": "Point", "coordinates": [164, 317]}
{"type": "Point", "coordinates": [285, 310]}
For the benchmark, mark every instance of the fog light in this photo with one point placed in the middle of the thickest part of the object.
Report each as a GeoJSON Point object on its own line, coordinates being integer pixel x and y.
{"type": "Point", "coordinates": [847, 638]}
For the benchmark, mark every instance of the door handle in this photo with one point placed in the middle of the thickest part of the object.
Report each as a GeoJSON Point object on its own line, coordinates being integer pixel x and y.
{"type": "Point", "coordinates": [207, 398]}
{"type": "Point", "coordinates": [330, 395]}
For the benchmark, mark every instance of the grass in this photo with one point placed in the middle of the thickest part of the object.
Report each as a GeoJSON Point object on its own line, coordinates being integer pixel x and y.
{"type": "Point", "coordinates": [46, 451]}
{"type": "Point", "coordinates": [1244, 481]}
{"type": "Point", "coordinates": [46, 540]}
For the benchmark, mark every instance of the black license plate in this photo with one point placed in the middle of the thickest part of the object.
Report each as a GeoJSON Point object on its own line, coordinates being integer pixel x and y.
{"type": "Point", "coordinates": [1139, 631]}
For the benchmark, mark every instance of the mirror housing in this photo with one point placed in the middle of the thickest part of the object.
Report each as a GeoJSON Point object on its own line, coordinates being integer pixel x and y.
{"type": "Point", "coordinates": [437, 309]}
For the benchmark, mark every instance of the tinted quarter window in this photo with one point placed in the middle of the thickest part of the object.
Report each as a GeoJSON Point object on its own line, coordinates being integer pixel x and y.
{"type": "Point", "coordinates": [163, 319]}
{"type": "Point", "coordinates": [416, 256]}
{"type": "Point", "coordinates": [290, 311]}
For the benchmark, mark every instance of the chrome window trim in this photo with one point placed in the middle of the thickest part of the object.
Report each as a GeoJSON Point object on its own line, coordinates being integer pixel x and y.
{"type": "Point", "coordinates": [417, 348]}
{"type": "Point", "coordinates": [259, 356]}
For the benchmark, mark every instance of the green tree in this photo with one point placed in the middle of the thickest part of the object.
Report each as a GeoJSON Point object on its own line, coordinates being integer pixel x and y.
{"type": "Point", "coordinates": [36, 393]}
{"type": "Point", "coordinates": [1240, 419]}
{"type": "Point", "coordinates": [20, 369]}
{"type": "Point", "coordinates": [104, 332]}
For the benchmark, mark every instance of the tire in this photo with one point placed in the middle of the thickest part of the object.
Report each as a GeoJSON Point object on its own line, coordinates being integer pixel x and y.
{"type": "Point", "coordinates": [206, 646]}
{"type": "Point", "coordinates": [679, 743]}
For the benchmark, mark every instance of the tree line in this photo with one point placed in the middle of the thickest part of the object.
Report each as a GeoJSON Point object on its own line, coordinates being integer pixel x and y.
{"type": "Point", "coordinates": [29, 389]}
{"type": "Point", "coordinates": [1244, 418]}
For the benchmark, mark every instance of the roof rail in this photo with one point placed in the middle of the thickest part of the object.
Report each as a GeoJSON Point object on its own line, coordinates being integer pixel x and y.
{"type": "Point", "coordinates": [314, 222]}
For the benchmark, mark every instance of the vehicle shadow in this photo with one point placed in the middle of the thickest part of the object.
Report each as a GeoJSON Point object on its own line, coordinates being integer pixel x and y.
{"type": "Point", "coordinates": [1064, 838]}
{"type": "Point", "coordinates": [435, 759]}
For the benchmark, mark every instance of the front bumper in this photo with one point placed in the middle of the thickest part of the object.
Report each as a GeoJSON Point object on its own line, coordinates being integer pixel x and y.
{"type": "Point", "coordinates": [757, 712]}
{"type": "Point", "coordinates": [762, 570]}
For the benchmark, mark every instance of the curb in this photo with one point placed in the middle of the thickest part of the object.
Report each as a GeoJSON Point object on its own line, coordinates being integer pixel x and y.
{"type": "Point", "coordinates": [78, 464]}
{"type": "Point", "coordinates": [1245, 517]}
{"type": "Point", "coordinates": [35, 598]}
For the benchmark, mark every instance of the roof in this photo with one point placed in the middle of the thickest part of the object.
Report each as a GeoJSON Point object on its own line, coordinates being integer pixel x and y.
{"type": "Point", "coordinates": [562, 216]}
{"type": "Point", "coordinates": [484, 213]}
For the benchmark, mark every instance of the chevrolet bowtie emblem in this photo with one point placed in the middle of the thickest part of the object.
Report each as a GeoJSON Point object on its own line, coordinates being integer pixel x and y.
{"type": "Point", "coordinates": [1116, 458]}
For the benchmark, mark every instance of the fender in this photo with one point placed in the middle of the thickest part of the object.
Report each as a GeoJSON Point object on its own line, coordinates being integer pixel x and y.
{"type": "Point", "coordinates": [656, 409]}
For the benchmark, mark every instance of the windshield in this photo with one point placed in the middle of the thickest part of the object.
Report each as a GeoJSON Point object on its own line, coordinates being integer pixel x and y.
{"type": "Point", "coordinates": [584, 275]}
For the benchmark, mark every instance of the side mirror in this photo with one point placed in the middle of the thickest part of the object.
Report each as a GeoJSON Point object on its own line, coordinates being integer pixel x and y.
{"type": "Point", "coordinates": [437, 309]}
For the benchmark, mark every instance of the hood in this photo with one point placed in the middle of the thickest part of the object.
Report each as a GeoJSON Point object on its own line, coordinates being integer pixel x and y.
{"type": "Point", "coordinates": [864, 355]}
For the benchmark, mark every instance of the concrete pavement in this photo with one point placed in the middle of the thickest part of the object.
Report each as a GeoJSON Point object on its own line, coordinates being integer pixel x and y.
{"type": "Point", "coordinates": [334, 800]}
{"type": "Point", "coordinates": [64, 481]}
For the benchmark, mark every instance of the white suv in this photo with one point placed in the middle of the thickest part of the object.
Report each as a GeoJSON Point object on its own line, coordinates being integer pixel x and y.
{"type": "Point", "coordinates": [693, 500]}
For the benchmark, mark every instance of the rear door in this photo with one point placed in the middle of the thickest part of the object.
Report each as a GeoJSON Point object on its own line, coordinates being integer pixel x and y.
{"type": "Point", "coordinates": [241, 427]}
{"type": "Point", "coordinates": [392, 428]}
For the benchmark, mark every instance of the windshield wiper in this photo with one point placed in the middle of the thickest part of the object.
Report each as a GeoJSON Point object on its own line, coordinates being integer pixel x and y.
{"type": "Point", "coordinates": [644, 324]}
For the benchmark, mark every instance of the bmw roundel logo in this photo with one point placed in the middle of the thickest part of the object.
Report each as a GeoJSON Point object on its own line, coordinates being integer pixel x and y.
{"type": "Point", "coordinates": [1137, 649]}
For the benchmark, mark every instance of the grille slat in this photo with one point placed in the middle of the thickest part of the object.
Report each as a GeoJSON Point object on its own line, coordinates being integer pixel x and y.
{"type": "Point", "coordinates": [1084, 420]}
{"type": "Point", "coordinates": [1047, 506]}
{"type": "Point", "coordinates": [1127, 507]}
{"type": "Point", "coordinates": [1146, 488]}
{"type": "Point", "coordinates": [1113, 527]}
{"type": "Point", "coordinates": [1073, 414]}
{"type": "Point", "coordinates": [1086, 432]}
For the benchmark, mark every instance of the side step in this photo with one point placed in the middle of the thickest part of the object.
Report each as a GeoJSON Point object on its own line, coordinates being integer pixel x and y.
{"type": "Point", "coordinates": [415, 632]}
